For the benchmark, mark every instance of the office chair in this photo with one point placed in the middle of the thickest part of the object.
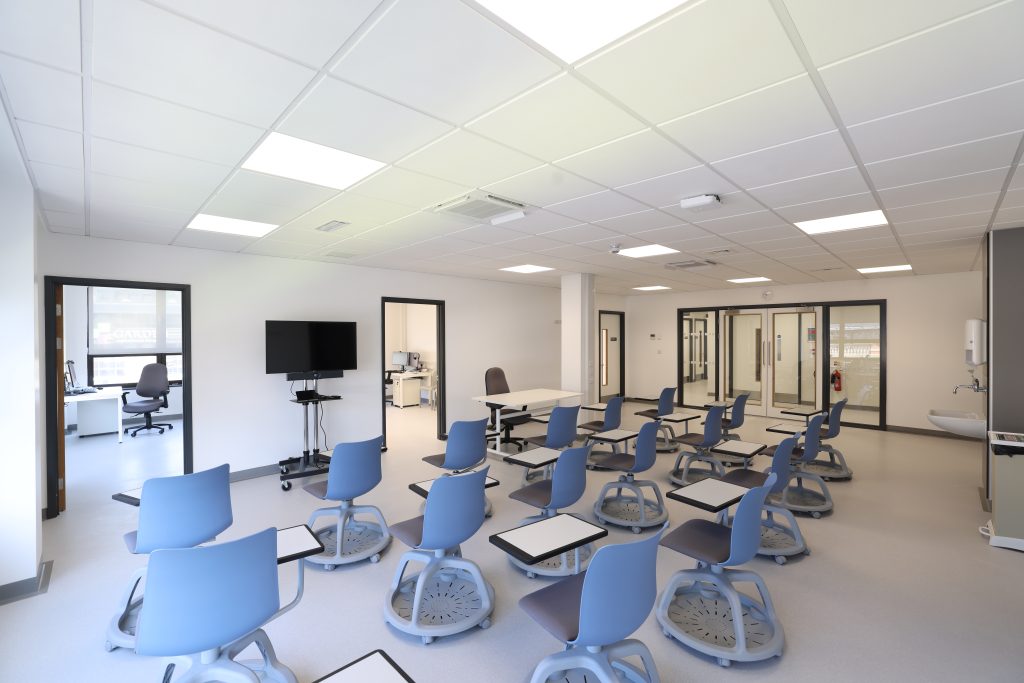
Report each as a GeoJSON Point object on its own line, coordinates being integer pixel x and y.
{"type": "Point", "coordinates": [465, 448]}
{"type": "Point", "coordinates": [634, 511]}
{"type": "Point", "coordinates": [152, 386]}
{"type": "Point", "coordinates": [561, 433]}
{"type": "Point", "coordinates": [796, 497]}
{"type": "Point", "coordinates": [729, 424]}
{"type": "Point", "coordinates": [449, 595]}
{"type": "Point", "coordinates": [701, 445]}
{"type": "Point", "coordinates": [174, 512]}
{"type": "Point", "coordinates": [209, 604]}
{"type": "Point", "coordinates": [612, 420]}
{"type": "Point", "coordinates": [354, 471]}
{"type": "Point", "coordinates": [666, 406]}
{"type": "Point", "coordinates": [389, 383]}
{"type": "Point", "coordinates": [835, 468]}
{"type": "Point", "coordinates": [701, 607]}
{"type": "Point", "coordinates": [595, 612]}
{"type": "Point", "coordinates": [495, 383]}
{"type": "Point", "coordinates": [566, 486]}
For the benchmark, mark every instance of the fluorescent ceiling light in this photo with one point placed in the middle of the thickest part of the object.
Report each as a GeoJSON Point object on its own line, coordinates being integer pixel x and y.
{"type": "Point", "coordinates": [288, 157]}
{"type": "Point", "coordinates": [652, 288]}
{"type": "Point", "coordinates": [852, 221]}
{"type": "Point", "coordinates": [527, 268]}
{"type": "Point", "coordinates": [231, 226]}
{"type": "Point", "coordinates": [747, 280]}
{"type": "Point", "coordinates": [884, 269]}
{"type": "Point", "coordinates": [575, 28]}
{"type": "Point", "coordinates": [647, 250]}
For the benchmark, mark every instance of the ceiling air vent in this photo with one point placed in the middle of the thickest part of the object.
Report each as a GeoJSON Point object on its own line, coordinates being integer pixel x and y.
{"type": "Point", "coordinates": [695, 264]}
{"type": "Point", "coordinates": [332, 226]}
{"type": "Point", "coordinates": [479, 206]}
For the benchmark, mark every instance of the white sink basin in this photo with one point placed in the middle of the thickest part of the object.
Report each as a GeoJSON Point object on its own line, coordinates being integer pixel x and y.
{"type": "Point", "coordinates": [959, 422]}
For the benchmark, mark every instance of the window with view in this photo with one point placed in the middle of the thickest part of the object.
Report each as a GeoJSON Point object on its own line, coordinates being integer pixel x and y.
{"type": "Point", "coordinates": [129, 328]}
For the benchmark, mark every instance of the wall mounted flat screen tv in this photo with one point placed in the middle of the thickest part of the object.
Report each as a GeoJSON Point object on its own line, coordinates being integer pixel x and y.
{"type": "Point", "coordinates": [308, 347]}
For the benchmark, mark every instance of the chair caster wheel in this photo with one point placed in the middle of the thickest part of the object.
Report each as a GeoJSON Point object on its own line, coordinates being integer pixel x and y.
{"type": "Point", "coordinates": [161, 431]}
{"type": "Point", "coordinates": [286, 486]}
{"type": "Point", "coordinates": [531, 575]}
{"type": "Point", "coordinates": [109, 646]}
{"type": "Point", "coordinates": [375, 559]}
{"type": "Point", "coordinates": [667, 634]}
{"type": "Point", "coordinates": [427, 640]}
{"type": "Point", "coordinates": [636, 530]}
{"type": "Point", "coordinates": [133, 435]}
{"type": "Point", "coordinates": [330, 567]}
{"type": "Point", "coordinates": [780, 559]}
{"type": "Point", "coordinates": [816, 515]}
{"type": "Point", "coordinates": [485, 624]}
{"type": "Point", "coordinates": [170, 426]}
{"type": "Point", "coordinates": [807, 551]}
{"type": "Point", "coordinates": [723, 662]}
{"type": "Point", "coordinates": [284, 469]}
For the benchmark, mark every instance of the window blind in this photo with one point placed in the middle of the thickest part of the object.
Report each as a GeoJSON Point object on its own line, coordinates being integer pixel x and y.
{"type": "Point", "coordinates": [131, 321]}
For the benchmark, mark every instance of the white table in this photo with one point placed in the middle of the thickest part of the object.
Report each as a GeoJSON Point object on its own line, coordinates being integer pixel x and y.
{"type": "Point", "coordinates": [713, 495]}
{"type": "Point", "coordinates": [407, 388]}
{"type": "Point", "coordinates": [99, 412]}
{"type": "Point", "coordinates": [375, 667]}
{"type": "Point", "coordinates": [510, 405]}
{"type": "Point", "coordinates": [538, 541]}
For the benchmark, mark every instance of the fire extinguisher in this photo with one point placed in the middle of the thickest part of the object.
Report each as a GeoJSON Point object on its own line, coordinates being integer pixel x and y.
{"type": "Point", "coordinates": [837, 380]}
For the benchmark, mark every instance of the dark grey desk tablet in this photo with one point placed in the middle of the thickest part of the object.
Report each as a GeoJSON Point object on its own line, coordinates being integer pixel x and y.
{"type": "Point", "coordinates": [132, 497]}
{"type": "Point", "coordinates": [543, 419]}
{"type": "Point", "coordinates": [375, 667]}
{"type": "Point", "coordinates": [422, 488]}
{"type": "Point", "coordinates": [802, 411]}
{"type": "Point", "coordinates": [740, 449]}
{"type": "Point", "coordinates": [538, 541]}
{"type": "Point", "coordinates": [613, 436]}
{"type": "Point", "coordinates": [728, 403]}
{"type": "Point", "coordinates": [712, 495]}
{"type": "Point", "coordinates": [782, 428]}
{"type": "Point", "coordinates": [296, 542]}
{"type": "Point", "coordinates": [596, 406]}
{"type": "Point", "coordinates": [537, 457]}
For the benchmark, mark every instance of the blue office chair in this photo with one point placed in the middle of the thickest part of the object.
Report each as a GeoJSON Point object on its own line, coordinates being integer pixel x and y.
{"type": "Point", "coordinates": [701, 445]}
{"type": "Point", "coordinates": [635, 510]}
{"type": "Point", "coordinates": [561, 434]}
{"type": "Point", "coordinates": [595, 612]}
{"type": "Point", "coordinates": [566, 486]}
{"type": "Point", "coordinates": [449, 595]}
{"type": "Point", "coordinates": [465, 448]}
{"type": "Point", "coordinates": [701, 607]}
{"type": "Point", "coordinates": [174, 512]}
{"type": "Point", "coordinates": [210, 604]}
{"type": "Point", "coordinates": [612, 420]}
{"type": "Point", "coordinates": [797, 497]}
{"type": "Point", "coordinates": [354, 471]}
{"type": "Point", "coordinates": [666, 406]}
{"type": "Point", "coordinates": [730, 424]}
{"type": "Point", "coordinates": [835, 468]}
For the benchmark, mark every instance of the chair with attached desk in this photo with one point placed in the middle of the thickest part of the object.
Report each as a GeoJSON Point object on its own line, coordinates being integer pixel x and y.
{"type": "Point", "coordinates": [561, 432]}
{"type": "Point", "coordinates": [595, 612]}
{"type": "Point", "coordinates": [735, 421]}
{"type": "Point", "coordinates": [354, 471]}
{"type": "Point", "coordinates": [174, 512]}
{"type": "Point", "coordinates": [209, 604]}
{"type": "Point", "coordinates": [666, 405]}
{"type": "Point", "coordinates": [635, 511]}
{"type": "Point", "coordinates": [797, 497]}
{"type": "Point", "coordinates": [465, 448]}
{"type": "Point", "coordinates": [701, 445]}
{"type": "Point", "coordinates": [835, 468]}
{"type": "Point", "coordinates": [612, 419]}
{"type": "Point", "coordinates": [495, 383]}
{"type": "Point", "coordinates": [153, 387]}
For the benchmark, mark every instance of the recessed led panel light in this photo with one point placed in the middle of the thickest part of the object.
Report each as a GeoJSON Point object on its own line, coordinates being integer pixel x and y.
{"type": "Point", "coordinates": [647, 250]}
{"type": "Point", "coordinates": [231, 226]}
{"type": "Point", "coordinates": [851, 221]}
{"type": "Point", "coordinates": [748, 280]}
{"type": "Point", "coordinates": [652, 288]}
{"type": "Point", "coordinates": [884, 269]}
{"type": "Point", "coordinates": [527, 268]}
{"type": "Point", "coordinates": [288, 157]}
{"type": "Point", "coordinates": [575, 28]}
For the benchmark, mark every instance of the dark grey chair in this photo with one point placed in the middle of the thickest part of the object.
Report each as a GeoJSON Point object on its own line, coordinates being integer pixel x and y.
{"type": "Point", "coordinates": [153, 388]}
{"type": "Point", "coordinates": [495, 383]}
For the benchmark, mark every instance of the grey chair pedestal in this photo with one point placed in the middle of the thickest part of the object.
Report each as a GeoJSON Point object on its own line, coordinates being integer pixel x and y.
{"type": "Point", "coordinates": [780, 534]}
{"type": "Point", "coordinates": [635, 511]}
{"type": "Point", "coordinates": [121, 630]}
{"type": "Point", "coordinates": [833, 469]}
{"type": "Point", "coordinates": [349, 539]}
{"type": "Point", "coordinates": [688, 473]}
{"type": "Point", "coordinates": [797, 497]}
{"type": "Point", "coordinates": [606, 663]}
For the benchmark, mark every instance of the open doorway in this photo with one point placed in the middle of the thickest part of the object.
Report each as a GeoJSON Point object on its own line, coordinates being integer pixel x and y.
{"type": "Point", "coordinates": [412, 368]}
{"type": "Point", "coordinates": [99, 337]}
{"type": "Point", "coordinates": [611, 344]}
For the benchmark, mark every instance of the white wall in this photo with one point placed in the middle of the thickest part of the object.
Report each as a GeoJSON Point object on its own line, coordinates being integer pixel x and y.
{"type": "Point", "coordinates": [20, 456]}
{"type": "Point", "coordinates": [243, 415]}
{"type": "Point", "coordinates": [421, 332]}
{"type": "Point", "coordinates": [926, 317]}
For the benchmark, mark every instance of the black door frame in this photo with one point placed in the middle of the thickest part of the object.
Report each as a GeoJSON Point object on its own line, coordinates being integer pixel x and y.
{"type": "Point", "coordinates": [622, 349]}
{"type": "Point", "coordinates": [442, 383]}
{"type": "Point", "coordinates": [50, 284]}
{"type": "Point", "coordinates": [681, 366]}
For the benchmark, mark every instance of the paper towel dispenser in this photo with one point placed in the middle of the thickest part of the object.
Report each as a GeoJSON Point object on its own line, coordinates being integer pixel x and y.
{"type": "Point", "coordinates": [975, 343]}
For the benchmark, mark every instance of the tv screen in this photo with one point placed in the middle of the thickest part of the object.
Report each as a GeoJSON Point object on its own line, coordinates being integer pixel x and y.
{"type": "Point", "coordinates": [295, 346]}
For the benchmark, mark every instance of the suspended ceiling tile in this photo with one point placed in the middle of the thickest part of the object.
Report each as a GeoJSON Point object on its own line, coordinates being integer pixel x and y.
{"type": "Point", "coordinates": [636, 157]}
{"type": "Point", "coordinates": [945, 188]}
{"type": "Point", "coordinates": [269, 247]}
{"type": "Point", "coordinates": [114, 191]}
{"type": "Point", "coordinates": [60, 188]}
{"type": "Point", "coordinates": [132, 231]}
{"type": "Point", "coordinates": [309, 237]}
{"type": "Point", "coordinates": [573, 251]}
{"type": "Point", "coordinates": [812, 188]}
{"type": "Point", "coordinates": [50, 145]}
{"type": "Point", "coordinates": [859, 235]}
{"type": "Point", "coordinates": [415, 228]}
{"type": "Point", "coordinates": [838, 206]}
{"type": "Point", "coordinates": [949, 207]}
{"type": "Point", "coordinates": [213, 240]}
{"type": "Point", "coordinates": [66, 221]}
{"type": "Point", "coordinates": [538, 221]}
{"type": "Point", "coordinates": [777, 232]}
{"type": "Point", "coordinates": [488, 234]}
{"type": "Point", "coordinates": [669, 189]}
{"type": "Point", "coordinates": [359, 212]}
{"type": "Point", "coordinates": [533, 243]}
{"type": "Point", "coordinates": [415, 190]}
{"type": "Point", "coordinates": [640, 221]}
{"type": "Point", "coordinates": [41, 94]}
{"type": "Point", "coordinates": [1014, 196]}
{"type": "Point", "coordinates": [543, 186]}
{"type": "Point", "coordinates": [583, 233]}
{"type": "Point", "coordinates": [137, 163]}
{"type": "Point", "coordinates": [598, 206]}
{"type": "Point", "coordinates": [268, 199]}
{"type": "Point", "coordinates": [740, 222]}
{"type": "Point", "coordinates": [1011, 214]}
{"type": "Point", "coordinates": [469, 159]}
{"type": "Point", "coordinates": [47, 32]}
{"type": "Point", "coordinates": [943, 222]}
{"type": "Point", "coordinates": [913, 239]}
{"type": "Point", "coordinates": [969, 157]}
{"type": "Point", "coordinates": [810, 156]}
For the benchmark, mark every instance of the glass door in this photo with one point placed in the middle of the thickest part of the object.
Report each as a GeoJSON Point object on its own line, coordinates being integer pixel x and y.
{"type": "Point", "coordinates": [792, 357]}
{"type": "Point", "coordinates": [699, 352]}
{"type": "Point", "coordinates": [746, 357]}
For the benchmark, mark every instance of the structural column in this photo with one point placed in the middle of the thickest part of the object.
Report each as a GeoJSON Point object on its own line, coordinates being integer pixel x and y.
{"type": "Point", "coordinates": [579, 325]}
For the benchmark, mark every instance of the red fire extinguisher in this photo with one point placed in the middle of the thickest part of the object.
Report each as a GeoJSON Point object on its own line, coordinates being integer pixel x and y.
{"type": "Point", "coordinates": [837, 380]}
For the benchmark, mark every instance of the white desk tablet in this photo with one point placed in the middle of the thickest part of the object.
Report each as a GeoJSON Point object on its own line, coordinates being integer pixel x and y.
{"type": "Point", "coordinates": [375, 667]}
{"type": "Point", "coordinates": [296, 542]}
{"type": "Point", "coordinates": [613, 435]}
{"type": "Point", "coordinates": [802, 411]}
{"type": "Point", "coordinates": [422, 488]}
{"type": "Point", "coordinates": [538, 541]}
{"type": "Point", "coordinates": [679, 417]}
{"type": "Point", "coordinates": [783, 428]}
{"type": "Point", "coordinates": [536, 457]}
{"type": "Point", "coordinates": [741, 449]}
{"type": "Point", "coordinates": [712, 495]}
{"type": "Point", "coordinates": [527, 396]}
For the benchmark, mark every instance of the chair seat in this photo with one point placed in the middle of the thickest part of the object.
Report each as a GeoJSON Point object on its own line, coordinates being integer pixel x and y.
{"type": "Point", "coordinates": [557, 607]}
{"type": "Point", "coordinates": [409, 532]}
{"type": "Point", "coordinates": [726, 422]}
{"type": "Point", "coordinates": [694, 439]}
{"type": "Point", "coordinates": [621, 462]}
{"type": "Point", "coordinates": [747, 478]}
{"type": "Point", "coordinates": [700, 539]}
{"type": "Point", "coordinates": [147, 406]}
{"type": "Point", "coordinates": [318, 489]}
{"type": "Point", "coordinates": [435, 460]}
{"type": "Point", "coordinates": [537, 494]}
{"type": "Point", "coordinates": [538, 440]}
{"type": "Point", "coordinates": [650, 412]}
{"type": "Point", "coordinates": [593, 426]}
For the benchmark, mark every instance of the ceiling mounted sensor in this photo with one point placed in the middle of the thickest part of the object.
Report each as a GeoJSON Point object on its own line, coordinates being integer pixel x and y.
{"type": "Point", "coordinates": [702, 202]}
{"type": "Point", "coordinates": [332, 226]}
{"type": "Point", "coordinates": [695, 264]}
{"type": "Point", "coordinates": [482, 206]}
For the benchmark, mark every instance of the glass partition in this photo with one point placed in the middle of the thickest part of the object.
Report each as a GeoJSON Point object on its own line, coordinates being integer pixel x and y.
{"type": "Point", "coordinates": [855, 342]}
{"type": "Point", "coordinates": [699, 356]}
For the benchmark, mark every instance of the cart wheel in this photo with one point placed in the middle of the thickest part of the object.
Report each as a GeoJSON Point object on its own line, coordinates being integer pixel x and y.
{"type": "Point", "coordinates": [286, 486]}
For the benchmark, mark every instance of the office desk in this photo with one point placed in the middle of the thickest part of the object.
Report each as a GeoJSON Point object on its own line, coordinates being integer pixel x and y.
{"type": "Point", "coordinates": [98, 412]}
{"type": "Point", "coordinates": [509, 406]}
{"type": "Point", "coordinates": [406, 388]}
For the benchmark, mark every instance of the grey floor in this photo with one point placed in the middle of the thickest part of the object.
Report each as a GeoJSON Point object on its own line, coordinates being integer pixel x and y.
{"type": "Point", "coordinates": [900, 585]}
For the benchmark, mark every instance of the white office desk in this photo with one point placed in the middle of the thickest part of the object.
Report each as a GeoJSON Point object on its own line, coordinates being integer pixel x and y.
{"type": "Point", "coordinates": [407, 388]}
{"type": "Point", "coordinates": [510, 406]}
{"type": "Point", "coordinates": [98, 412]}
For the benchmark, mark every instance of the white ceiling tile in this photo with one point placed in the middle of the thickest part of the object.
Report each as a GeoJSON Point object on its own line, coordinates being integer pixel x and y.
{"type": "Point", "coordinates": [219, 241]}
{"type": "Point", "coordinates": [137, 163]}
{"type": "Point", "coordinates": [890, 79]}
{"type": "Point", "coordinates": [1014, 196]}
{"type": "Point", "coordinates": [937, 190]}
{"type": "Point", "coordinates": [740, 222]}
{"type": "Point", "coordinates": [970, 157]}
{"type": "Point", "coordinates": [1017, 182]}
{"type": "Point", "coordinates": [788, 245]}
{"type": "Point", "coordinates": [848, 236]}
{"type": "Point", "coordinates": [310, 31]}
{"type": "Point", "coordinates": [133, 231]}
{"type": "Point", "coordinates": [348, 118]}
{"type": "Point", "coordinates": [669, 189]}
{"type": "Point", "coordinates": [543, 186]}
{"type": "Point", "coordinates": [1011, 214]}
{"type": "Point", "coordinates": [839, 206]}
{"type": "Point", "coordinates": [459, 67]}
{"type": "Point", "coordinates": [268, 199]}
{"type": "Point", "coordinates": [698, 246]}
{"type": "Point", "coordinates": [495, 251]}
{"type": "Point", "coordinates": [559, 118]}
{"type": "Point", "coordinates": [630, 159]}
{"type": "Point", "coordinates": [360, 212]}
{"type": "Point", "coordinates": [113, 191]}
{"type": "Point", "coordinates": [913, 239]}
{"type": "Point", "coordinates": [943, 222]}
{"type": "Point", "coordinates": [66, 220]}
{"type": "Point", "coordinates": [60, 188]}
{"type": "Point", "coordinates": [777, 232]}
{"type": "Point", "coordinates": [269, 247]}
{"type": "Point", "coordinates": [538, 221]}
{"type": "Point", "coordinates": [640, 221]}
{"type": "Point", "coordinates": [51, 145]}
{"type": "Point", "coordinates": [41, 94]}
{"type": "Point", "coordinates": [788, 111]}
{"type": "Point", "coordinates": [810, 156]}
{"type": "Point", "coordinates": [598, 206]}
{"type": "Point", "coordinates": [675, 233]}
{"type": "Point", "coordinates": [573, 251]}
{"type": "Point", "coordinates": [583, 233]}
{"type": "Point", "coordinates": [488, 234]}
{"type": "Point", "coordinates": [309, 237]}
{"type": "Point", "coordinates": [469, 159]}
{"type": "Point", "coordinates": [355, 246]}
{"type": "Point", "coordinates": [706, 54]}
{"type": "Point", "coordinates": [945, 247]}
{"type": "Point", "coordinates": [415, 228]}
{"type": "Point", "coordinates": [812, 188]}
{"type": "Point", "coordinates": [415, 190]}
{"type": "Point", "coordinates": [47, 32]}
{"type": "Point", "coordinates": [533, 243]}
{"type": "Point", "coordinates": [948, 207]}
{"type": "Point", "coordinates": [149, 50]}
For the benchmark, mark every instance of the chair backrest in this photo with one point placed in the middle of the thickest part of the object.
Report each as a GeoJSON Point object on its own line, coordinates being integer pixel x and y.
{"type": "Point", "coordinates": [569, 480]}
{"type": "Point", "coordinates": [495, 383]}
{"type": "Point", "coordinates": [152, 381]}
{"type": "Point", "coordinates": [834, 417]}
{"type": "Point", "coordinates": [812, 438]}
{"type": "Point", "coordinates": [183, 511]}
{"type": "Point", "coordinates": [738, 409]}
{"type": "Point", "coordinates": [201, 598]}
{"type": "Point", "coordinates": [454, 510]}
{"type": "Point", "coordinates": [713, 426]}
{"type": "Point", "coordinates": [562, 426]}
{"type": "Point", "coordinates": [646, 450]}
{"type": "Point", "coordinates": [746, 524]}
{"type": "Point", "coordinates": [466, 445]}
{"type": "Point", "coordinates": [354, 469]}
{"type": "Point", "coordinates": [666, 401]}
{"type": "Point", "coordinates": [780, 463]}
{"type": "Point", "coordinates": [618, 591]}
{"type": "Point", "coordinates": [613, 413]}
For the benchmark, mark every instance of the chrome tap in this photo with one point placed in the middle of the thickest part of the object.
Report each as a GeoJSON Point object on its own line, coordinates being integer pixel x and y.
{"type": "Point", "coordinates": [974, 386]}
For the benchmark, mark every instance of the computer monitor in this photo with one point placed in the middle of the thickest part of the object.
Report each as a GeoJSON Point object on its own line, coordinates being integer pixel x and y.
{"type": "Point", "coordinates": [400, 358]}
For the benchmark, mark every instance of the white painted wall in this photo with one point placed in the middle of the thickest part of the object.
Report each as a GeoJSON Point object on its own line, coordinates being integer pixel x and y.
{"type": "Point", "coordinates": [926, 315]}
{"type": "Point", "coordinates": [421, 332]}
{"type": "Point", "coordinates": [579, 336]}
{"type": "Point", "coordinates": [20, 457]}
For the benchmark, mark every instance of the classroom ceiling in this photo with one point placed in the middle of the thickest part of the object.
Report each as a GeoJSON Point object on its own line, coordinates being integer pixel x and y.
{"type": "Point", "coordinates": [135, 116]}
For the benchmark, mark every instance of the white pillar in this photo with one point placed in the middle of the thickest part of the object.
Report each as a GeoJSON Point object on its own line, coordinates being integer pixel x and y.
{"type": "Point", "coordinates": [579, 325]}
